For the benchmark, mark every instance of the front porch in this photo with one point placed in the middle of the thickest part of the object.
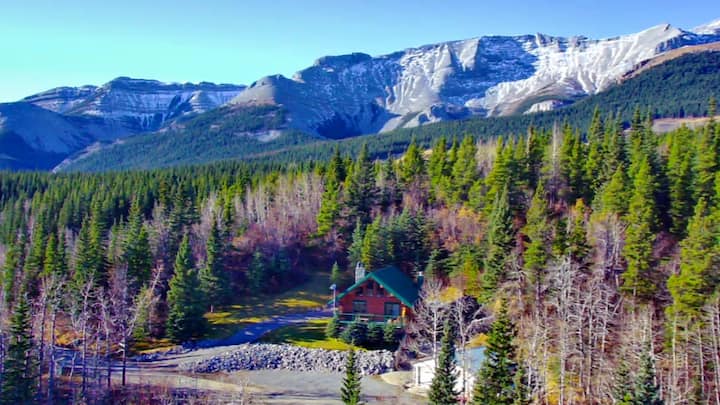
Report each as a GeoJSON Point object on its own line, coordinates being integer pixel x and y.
{"type": "Point", "coordinates": [349, 317]}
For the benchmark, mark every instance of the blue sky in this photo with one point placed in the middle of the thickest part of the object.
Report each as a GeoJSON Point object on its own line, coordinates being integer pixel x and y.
{"type": "Point", "coordinates": [49, 43]}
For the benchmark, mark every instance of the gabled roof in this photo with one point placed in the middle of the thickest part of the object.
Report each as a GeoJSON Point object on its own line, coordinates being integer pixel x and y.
{"type": "Point", "coordinates": [397, 283]}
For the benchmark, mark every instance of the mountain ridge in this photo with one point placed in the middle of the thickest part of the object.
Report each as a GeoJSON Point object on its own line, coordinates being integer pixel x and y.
{"type": "Point", "coordinates": [340, 96]}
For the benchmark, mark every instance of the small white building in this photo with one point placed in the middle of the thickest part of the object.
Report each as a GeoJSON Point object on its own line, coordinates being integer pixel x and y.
{"type": "Point", "coordinates": [424, 371]}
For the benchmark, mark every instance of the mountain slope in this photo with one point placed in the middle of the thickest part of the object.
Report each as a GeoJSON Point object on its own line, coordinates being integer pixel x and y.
{"type": "Point", "coordinates": [349, 95]}
{"type": "Point", "coordinates": [342, 96]}
{"type": "Point", "coordinates": [136, 104]}
{"type": "Point", "coordinates": [678, 87]}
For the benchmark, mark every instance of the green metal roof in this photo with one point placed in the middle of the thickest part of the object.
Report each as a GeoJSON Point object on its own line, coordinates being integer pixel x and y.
{"type": "Point", "coordinates": [397, 283]}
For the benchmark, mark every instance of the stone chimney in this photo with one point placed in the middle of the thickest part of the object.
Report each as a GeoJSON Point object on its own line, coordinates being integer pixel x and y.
{"type": "Point", "coordinates": [359, 271]}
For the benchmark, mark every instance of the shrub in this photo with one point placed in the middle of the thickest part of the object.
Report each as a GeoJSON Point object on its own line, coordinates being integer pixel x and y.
{"type": "Point", "coordinates": [333, 328]}
{"type": "Point", "coordinates": [355, 334]}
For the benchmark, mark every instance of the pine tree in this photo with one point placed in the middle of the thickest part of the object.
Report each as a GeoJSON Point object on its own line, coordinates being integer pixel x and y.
{"type": "Point", "coordinates": [537, 230]}
{"type": "Point", "coordinates": [646, 391]}
{"type": "Point", "coordinates": [412, 167]}
{"type": "Point", "coordinates": [613, 148]}
{"type": "Point", "coordinates": [500, 176]}
{"type": "Point", "coordinates": [442, 387]}
{"type": "Point", "coordinates": [19, 378]}
{"type": "Point", "coordinates": [356, 247]}
{"type": "Point", "coordinates": [136, 247]}
{"type": "Point", "coordinates": [464, 170]}
{"type": "Point", "coordinates": [51, 263]}
{"type": "Point", "coordinates": [571, 165]}
{"type": "Point", "coordinates": [377, 247]}
{"type": "Point", "coordinates": [592, 169]}
{"type": "Point", "coordinates": [10, 273]}
{"type": "Point", "coordinates": [361, 187]}
{"type": "Point", "coordinates": [495, 382]}
{"type": "Point", "coordinates": [699, 257]}
{"type": "Point", "coordinates": [706, 165]}
{"type": "Point", "coordinates": [333, 328]}
{"type": "Point", "coordinates": [623, 388]}
{"type": "Point", "coordinates": [256, 274]}
{"type": "Point", "coordinates": [439, 167]}
{"type": "Point", "coordinates": [499, 243]}
{"type": "Point", "coordinates": [33, 265]}
{"type": "Point", "coordinates": [329, 208]}
{"type": "Point", "coordinates": [638, 279]}
{"type": "Point", "coordinates": [680, 178]}
{"type": "Point", "coordinates": [613, 198]}
{"type": "Point", "coordinates": [576, 241]}
{"type": "Point", "coordinates": [350, 390]}
{"type": "Point", "coordinates": [336, 275]}
{"type": "Point", "coordinates": [184, 298]}
{"type": "Point", "coordinates": [214, 282]}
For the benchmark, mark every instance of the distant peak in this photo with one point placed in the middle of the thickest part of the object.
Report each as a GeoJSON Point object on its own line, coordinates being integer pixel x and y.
{"type": "Point", "coordinates": [710, 28]}
{"type": "Point", "coordinates": [342, 60]}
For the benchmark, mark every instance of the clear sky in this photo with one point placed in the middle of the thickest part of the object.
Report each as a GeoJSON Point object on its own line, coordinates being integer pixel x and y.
{"type": "Point", "coordinates": [50, 43]}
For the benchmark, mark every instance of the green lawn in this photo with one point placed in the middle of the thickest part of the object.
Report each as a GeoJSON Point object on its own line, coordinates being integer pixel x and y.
{"type": "Point", "coordinates": [308, 296]}
{"type": "Point", "coordinates": [311, 334]}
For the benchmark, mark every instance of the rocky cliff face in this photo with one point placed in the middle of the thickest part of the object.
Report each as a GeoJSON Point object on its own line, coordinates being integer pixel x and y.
{"type": "Point", "coordinates": [488, 76]}
{"type": "Point", "coordinates": [340, 96]}
{"type": "Point", "coordinates": [134, 104]}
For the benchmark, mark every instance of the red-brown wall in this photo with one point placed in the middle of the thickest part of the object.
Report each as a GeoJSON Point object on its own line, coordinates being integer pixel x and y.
{"type": "Point", "coordinates": [375, 304]}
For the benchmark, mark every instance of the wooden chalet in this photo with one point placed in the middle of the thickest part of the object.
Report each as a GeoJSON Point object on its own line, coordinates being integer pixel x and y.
{"type": "Point", "coordinates": [380, 296]}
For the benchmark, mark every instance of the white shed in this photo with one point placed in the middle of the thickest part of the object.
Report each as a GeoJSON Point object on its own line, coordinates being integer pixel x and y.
{"type": "Point", "coordinates": [424, 370]}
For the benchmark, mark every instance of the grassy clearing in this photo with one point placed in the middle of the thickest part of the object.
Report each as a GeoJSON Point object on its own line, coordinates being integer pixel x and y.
{"type": "Point", "coordinates": [311, 335]}
{"type": "Point", "coordinates": [311, 295]}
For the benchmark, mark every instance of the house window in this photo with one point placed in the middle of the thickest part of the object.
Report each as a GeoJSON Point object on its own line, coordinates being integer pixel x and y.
{"type": "Point", "coordinates": [392, 309]}
{"type": "Point", "coordinates": [370, 289]}
{"type": "Point", "coordinates": [359, 306]}
{"type": "Point", "coordinates": [380, 292]}
{"type": "Point", "coordinates": [359, 291]}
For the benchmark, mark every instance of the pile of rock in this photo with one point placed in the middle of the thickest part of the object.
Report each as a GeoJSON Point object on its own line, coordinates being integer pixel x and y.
{"type": "Point", "coordinates": [288, 357]}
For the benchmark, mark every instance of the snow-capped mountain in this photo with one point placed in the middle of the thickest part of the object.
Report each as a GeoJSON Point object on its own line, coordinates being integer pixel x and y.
{"type": "Point", "coordinates": [487, 76]}
{"type": "Point", "coordinates": [340, 96]}
{"type": "Point", "coordinates": [135, 104]}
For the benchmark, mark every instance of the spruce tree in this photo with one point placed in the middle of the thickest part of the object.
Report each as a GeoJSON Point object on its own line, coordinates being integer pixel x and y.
{"type": "Point", "coordinates": [638, 279]}
{"type": "Point", "coordinates": [361, 189]}
{"type": "Point", "coordinates": [136, 247]}
{"type": "Point", "coordinates": [214, 282]}
{"type": "Point", "coordinates": [495, 381]}
{"type": "Point", "coordinates": [706, 165]}
{"type": "Point", "coordinates": [499, 243]}
{"type": "Point", "coordinates": [614, 197]}
{"type": "Point", "coordinates": [336, 275]}
{"type": "Point", "coordinates": [500, 176]}
{"type": "Point", "coordinates": [377, 247]}
{"type": "Point", "coordinates": [333, 328]}
{"type": "Point", "coordinates": [329, 208]}
{"type": "Point", "coordinates": [185, 304]}
{"type": "Point", "coordinates": [442, 387]}
{"type": "Point", "coordinates": [537, 230]}
{"type": "Point", "coordinates": [10, 273]}
{"type": "Point", "coordinates": [699, 258]}
{"type": "Point", "coordinates": [464, 170]}
{"type": "Point", "coordinates": [623, 387]}
{"type": "Point", "coordinates": [680, 179]}
{"type": "Point", "coordinates": [438, 167]}
{"type": "Point", "coordinates": [646, 391]}
{"type": "Point", "coordinates": [257, 274]}
{"type": "Point", "coordinates": [412, 167]}
{"type": "Point", "coordinates": [19, 378]}
{"type": "Point", "coordinates": [350, 390]}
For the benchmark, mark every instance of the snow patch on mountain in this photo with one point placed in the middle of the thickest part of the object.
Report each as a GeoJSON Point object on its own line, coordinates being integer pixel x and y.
{"type": "Point", "coordinates": [487, 76]}
{"type": "Point", "coordinates": [136, 104]}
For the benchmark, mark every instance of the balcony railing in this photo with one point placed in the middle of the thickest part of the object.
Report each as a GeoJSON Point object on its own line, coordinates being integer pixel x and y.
{"type": "Point", "coordinates": [348, 317]}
